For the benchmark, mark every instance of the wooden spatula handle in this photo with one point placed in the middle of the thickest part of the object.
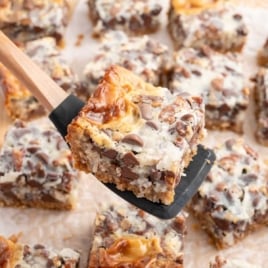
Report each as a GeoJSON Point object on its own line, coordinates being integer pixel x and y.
{"type": "Point", "coordinates": [34, 79]}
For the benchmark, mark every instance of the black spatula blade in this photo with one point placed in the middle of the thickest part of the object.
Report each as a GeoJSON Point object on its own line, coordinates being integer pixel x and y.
{"type": "Point", "coordinates": [195, 173]}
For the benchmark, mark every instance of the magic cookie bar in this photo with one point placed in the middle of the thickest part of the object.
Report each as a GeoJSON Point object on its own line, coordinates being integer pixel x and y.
{"type": "Point", "coordinates": [128, 237]}
{"type": "Point", "coordinates": [221, 262]}
{"type": "Point", "coordinates": [36, 168]}
{"type": "Point", "coordinates": [219, 79]}
{"type": "Point", "coordinates": [142, 55]}
{"type": "Point", "coordinates": [137, 136]}
{"type": "Point", "coordinates": [261, 98]}
{"type": "Point", "coordinates": [233, 200]}
{"type": "Point", "coordinates": [201, 23]}
{"type": "Point", "coordinates": [17, 255]}
{"type": "Point", "coordinates": [24, 20]}
{"type": "Point", "coordinates": [19, 102]}
{"type": "Point", "coordinates": [263, 55]}
{"type": "Point", "coordinates": [135, 17]}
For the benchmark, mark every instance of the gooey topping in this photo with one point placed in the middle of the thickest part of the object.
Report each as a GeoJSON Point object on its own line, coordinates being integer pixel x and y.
{"type": "Point", "coordinates": [131, 249]}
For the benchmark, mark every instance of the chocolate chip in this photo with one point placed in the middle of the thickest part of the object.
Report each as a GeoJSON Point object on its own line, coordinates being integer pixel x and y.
{"type": "Point", "coordinates": [229, 68]}
{"type": "Point", "coordinates": [38, 246]}
{"type": "Point", "coordinates": [26, 251]}
{"type": "Point", "coordinates": [128, 173]}
{"type": "Point", "coordinates": [185, 73]}
{"type": "Point", "coordinates": [52, 177]}
{"type": "Point", "coordinates": [110, 153]}
{"type": "Point", "coordinates": [237, 16]}
{"type": "Point", "coordinates": [147, 20]}
{"type": "Point", "coordinates": [129, 159]}
{"type": "Point", "coordinates": [223, 224]}
{"type": "Point", "coordinates": [133, 139]}
{"type": "Point", "coordinates": [146, 111]}
{"type": "Point", "coordinates": [42, 156]}
{"type": "Point", "coordinates": [197, 99]}
{"type": "Point", "coordinates": [217, 83]}
{"type": "Point", "coordinates": [134, 24]}
{"type": "Point", "coordinates": [187, 118]}
{"type": "Point", "coordinates": [33, 149]}
{"type": "Point", "coordinates": [206, 51]}
{"type": "Point", "coordinates": [196, 72]}
{"type": "Point", "coordinates": [181, 128]}
{"type": "Point", "coordinates": [155, 175]}
{"type": "Point", "coordinates": [48, 198]}
{"type": "Point", "coordinates": [152, 124]}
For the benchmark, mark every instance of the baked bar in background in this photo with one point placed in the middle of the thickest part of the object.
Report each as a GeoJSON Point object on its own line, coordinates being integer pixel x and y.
{"type": "Point", "coordinates": [144, 56]}
{"type": "Point", "coordinates": [14, 254]}
{"type": "Point", "coordinates": [212, 23]}
{"type": "Point", "coordinates": [36, 168]}
{"type": "Point", "coordinates": [137, 136]}
{"type": "Point", "coordinates": [261, 99]}
{"type": "Point", "coordinates": [19, 102]}
{"type": "Point", "coordinates": [128, 237]}
{"type": "Point", "coordinates": [25, 20]}
{"type": "Point", "coordinates": [263, 55]}
{"type": "Point", "coordinates": [232, 201]}
{"type": "Point", "coordinates": [135, 17]}
{"type": "Point", "coordinates": [219, 79]}
{"type": "Point", "coordinates": [221, 262]}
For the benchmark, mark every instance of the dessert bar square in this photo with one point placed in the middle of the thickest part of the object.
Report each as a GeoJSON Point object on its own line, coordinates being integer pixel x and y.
{"type": "Point", "coordinates": [232, 201]}
{"type": "Point", "coordinates": [19, 102]}
{"type": "Point", "coordinates": [219, 79]}
{"type": "Point", "coordinates": [194, 24]}
{"type": "Point", "coordinates": [24, 20]}
{"type": "Point", "coordinates": [262, 56]}
{"type": "Point", "coordinates": [261, 98]}
{"type": "Point", "coordinates": [128, 237]}
{"type": "Point", "coordinates": [144, 56]}
{"type": "Point", "coordinates": [221, 262]}
{"type": "Point", "coordinates": [135, 17]}
{"type": "Point", "coordinates": [36, 168]}
{"type": "Point", "coordinates": [14, 254]}
{"type": "Point", "coordinates": [137, 136]}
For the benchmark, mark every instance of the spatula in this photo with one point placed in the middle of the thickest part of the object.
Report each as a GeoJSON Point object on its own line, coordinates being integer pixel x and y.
{"type": "Point", "coordinates": [63, 108]}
